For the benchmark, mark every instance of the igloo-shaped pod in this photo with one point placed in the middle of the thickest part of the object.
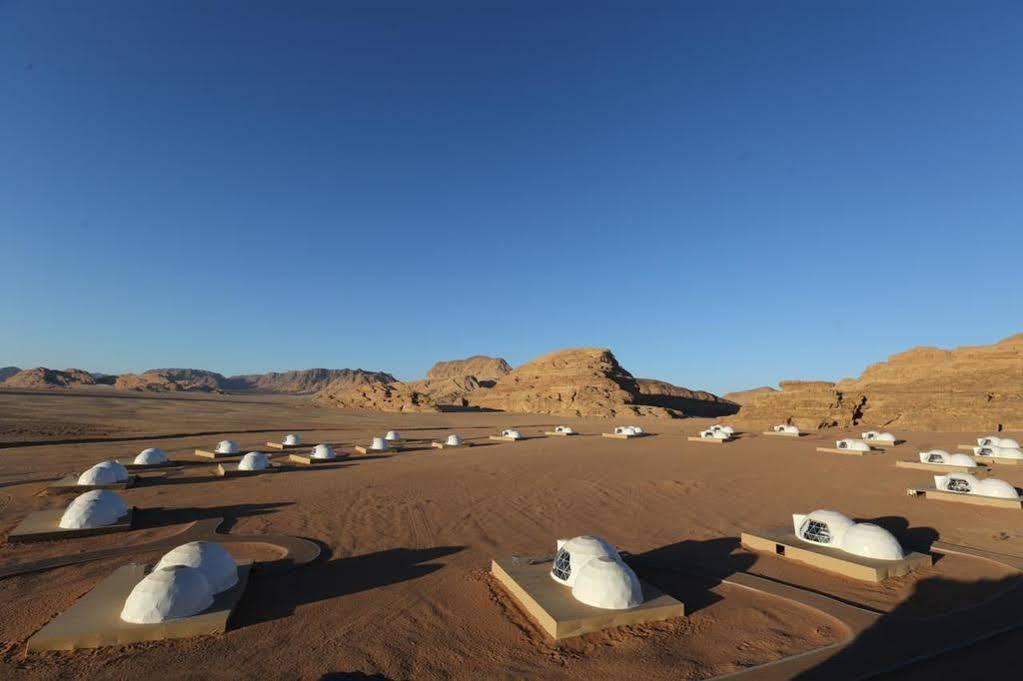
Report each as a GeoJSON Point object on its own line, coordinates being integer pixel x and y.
{"type": "Point", "coordinates": [228, 447]}
{"type": "Point", "coordinates": [254, 461]}
{"type": "Point", "coordinates": [211, 558]}
{"type": "Point", "coordinates": [964, 460]}
{"type": "Point", "coordinates": [512, 434]}
{"type": "Point", "coordinates": [100, 474]}
{"type": "Point", "coordinates": [821, 527]}
{"type": "Point", "coordinates": [885, 437]}
{"type": "Point", "coordinates": [392, 436]}
{"type": "Point", "coordinates": [292, 440]}
{"type": "Point", "coordinates": [963, 483]}
{"type": "Point", "coordinates": [120, 472]}
{"type": "Point", "coordinates": [871, 541]}
{"type": "Point", "coordinates": [870, 435]}
{"type": "Point", "coordinates": [993, 487]}
{"type": "Point", "coordinates": [624, 430]}
{"type": "Point", "coordinates": [998, 452]}
{"type": "Point", "coordinates": [789, 428]}
{"type": "Point", "coordinates": [636, 430]}
{"type": "Point", "coordinates": [168, 594]}
{"type": "Point", "coordinates": [574, 553]}
{"type": "Point", "coordinates": [854, 445]}
{"type": "Point", "coordinates": [453, 440]}
{"type": "Point", "coordinates": [379, 444]}
{"type": "Point", "coordinates": [935, 456]}
{"type": "Point", "coordinates": [150, 457]}
{"type": "Point", "coordinates": [1008, 442]}
{"type": "Point", "coordinates": [567, 430]}
{"type": "Point", "coordinates": [323, 452]}
{"type": "Point", "coordinates": [608, 583]}
{"type": "Point", "coordinates": [96, 508]}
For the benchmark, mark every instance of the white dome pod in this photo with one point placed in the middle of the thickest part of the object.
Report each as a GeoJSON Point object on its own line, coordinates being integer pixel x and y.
{"type": "Point", "coordinates": [637, 430]}
{"type": "Point", "coordinates": [576, 552]}
{"type": "Point", "coordinates": [993, 487]}
{"type": "Point", "coordinates": [854, 445]}
{"type": "Point", "coordinates": [940, 456]}
{"type": "Point", "coordinates": [97, 508]}
{"type": "Point", "coordinates": [871, 541]}
{"type": "Point", "coordinates": [150, 457]}
{"type": "Point", "coordinates": [870, 435]}
{"type": "Point", "coordinates": [998, 452]}
{"type": "Point", "coordinates": [885, 437]}
{"type": "Point", "coordinates": [512, 434]}
{"type": "Point", "coordinates": [453, 440]}
{"type": "Point", "coordinates": [323, 452]}
{"type": "Point", "coordinates": [100, 474]}
{"type": "Point", "coordinates": [392, 436]}
{"type": "Point", "coordinates": [963, 483]}
{"type": "Point", "coordinates": [1009, 442]}
{"type": "Point", "coordinates": [567, 430]}
{"type": "Point", "coordinates": [624, 430]}
{"type": "Point", "coordinates": [120, 471]}
{"type": "Point", "coordinates": [210, 558]}
{"type": "Point", "coordinates": [607, 583]}
{"type": "Point", "coordinates": [254, 461]}
{"type": "Point", "coordinates": [228, 447]}
{"type": "Point", "coordinates": [786, 428]}
{"type": "Point", "coordinates": [292, 440]}
{"type": "Point", "coordinates": [168, 594]}
{"type": "Point", "coordinates": [727, 430]}
{"type": "Point", "coordinates": [713, 435]}
{"type": "Point", "coordinates": [821, 527]}
{"type": "Point", "coordinates": [380, 445]}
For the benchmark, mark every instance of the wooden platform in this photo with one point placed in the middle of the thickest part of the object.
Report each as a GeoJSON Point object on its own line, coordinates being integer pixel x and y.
{"type": "Point", "coordinates": [551, 605]}
{"type": "Point", "coordinates": [45, 526]}
{"type": "Point", "coordinates": [849, 452]}
{"type": "Point", "coordinates": [1001, 460]}
{"type": "Point", "coordinates": [939, 467]}
{"type": "Point", "coordinates": [210, 454]}
{"type": "Point", "coordinates": [307, 460]}
{"type": "Point", "coordinates": [884, 443]}
{"type": "Point", "coordinates": [623, 436]}
{"type": "Point", "coordinates": [231, 470]}
{"type": "Point", "coordinates": [151, 466]}
{"type": "Point", "coordinates": [502, 438]}
{"type": "Point", "coordinates": [711, 440]}
{"type": "Point", "coordinates": [962, 498]}
{"type": "Point", "coordinates": [69, 485]}
{"type": "Point", "coordinates": [558, 434]}
{"type": "Point", "coordinates": [771, 432]}
{"type": "Point", "coordinates": [366, 449]}
{"type": "Point", "coordinates": [95, 620]}
{"type": "Point", "coordinates": [785, 543]}
{"type": "Point", "coordinates": [444, 445]}
{"type": "Point", "coordinates": [281, 445]}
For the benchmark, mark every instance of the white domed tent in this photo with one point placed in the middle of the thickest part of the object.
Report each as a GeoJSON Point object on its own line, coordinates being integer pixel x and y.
{"type": "Point", "coordinates": [573, 553]}
{"type": "Point", "coordinates": [150, 457]}
{"type": "Point", "coordinates": [93, 509]}
{"type": "Point", "coordinates": [323, 452]}
{"type": "Point", "coordinates": [453, 440]}
{"type": "Point", "coordinates": [167, 594]}
{"type": "Point", "coordinates": [254, 461]}
{"type": "Point", "coordinates": [998, 452]}
{"type": "Point", "coordinates": [393, 436]}
{"type": "Point", "coordinates": [228, 447]}
{"type": "Point", "coordinates": [964, 483]}
{"type": "Point", "coordinates": [727, 430]}
{"type": "Point", "coordinates": [624, 430]}
{"type": "Point", "coordinates": [941, 457]}
{"type": "Point", "coordinates": [380, 444]}
{"type": "Point", "coordinates": [835, 530]}
{"type": "Point", "coordinates": [100, 474]}
{"type": "Point", "coordinates": [292, 440]}
{"type": "Point", "coordinates": [995, 441]}
{"type": "Point", "coordinates": [853, 445]}
{"type": "Point", "coordinates": [565, 430]}
{"type": "Point", "coordinates": [786, 428]}
{"type": "Point", "coordinates": [511, 434]}
{"type": "Point", "coordinates": [210, 558]}
{"type": "Point", "coordinates": [607, 583]}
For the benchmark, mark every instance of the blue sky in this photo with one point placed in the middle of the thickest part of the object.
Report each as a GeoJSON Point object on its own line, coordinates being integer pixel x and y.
{"type": "Point", "coordinates": [724, 193]}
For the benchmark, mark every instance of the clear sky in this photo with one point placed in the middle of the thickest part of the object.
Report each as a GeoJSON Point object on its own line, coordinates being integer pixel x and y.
{"type": "Point", "coordinates": [724, 193]}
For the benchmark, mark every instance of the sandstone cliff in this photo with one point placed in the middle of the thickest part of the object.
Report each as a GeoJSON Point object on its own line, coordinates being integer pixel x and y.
{"type": "Point", "coordinates": [396, 396]}
{"type": "Point", "coordinates": [744, 396]}
{"type": "Point", "coordinates": [304, 381]}
{"type": "Point", "coordinates": [41, 377]}
{"type": "Point", "coordinates": [976, 388]}
{"type": "Point", "coordinates": [486, 370]}
{"type": "Point", "coordinates": [690, 402]}
{"type": "Point", "coordinates": [7, 372]}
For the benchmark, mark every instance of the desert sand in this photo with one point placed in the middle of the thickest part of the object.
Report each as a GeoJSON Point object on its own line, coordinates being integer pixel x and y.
{"type": "Point", "coordinates": [403, 590]}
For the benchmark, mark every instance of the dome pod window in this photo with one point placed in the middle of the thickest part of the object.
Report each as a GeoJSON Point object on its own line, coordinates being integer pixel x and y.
{"type": "Point", "coordinates": [574, 553]}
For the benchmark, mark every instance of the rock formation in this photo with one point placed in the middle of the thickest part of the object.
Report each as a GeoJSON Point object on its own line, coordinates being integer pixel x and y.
{"type": "Point", "coordinates": [744, 396]}
{"type": "Point", "coordinates": [486, 370]}
{"type": "Point", "coordinates": [304, 381]}
{"type": "Point", "coordinates": [575, 382]}
{"type": "Point", "coordinates": [690, 402]}
{"type": "Point", "coordinates": [7, 372]}
{"type": "Point", "coordinates": [396, 396]}
{"type": "Point", "coordinates": [970, 388]}
{"type": "Point", "coordinates": [41, 377]}
{"type": "Point", "coordinates": [172, 380]}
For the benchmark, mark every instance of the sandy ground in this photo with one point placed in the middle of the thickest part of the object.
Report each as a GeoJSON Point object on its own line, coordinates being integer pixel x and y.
{"type": "Point", "coordinates": [403, 590]}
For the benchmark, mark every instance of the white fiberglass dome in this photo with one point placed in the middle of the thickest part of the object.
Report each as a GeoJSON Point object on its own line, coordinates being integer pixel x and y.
{"type": "Point", "coordinates": [871, 541]}
{"type": "Point", "coordinates": [567, 430]}
{"type": "Point", "coordinates": [167, 594]}
{"type": "Point", "coordinates": [870, 435]}
{"type": "Point", "coordinates": [119, 470]}
{"type": "Point", "coordinates": [392, 435]}
{"type": "Point", "coordinates": [254, 461]}
{"type": "Point", "coordinates": [291, 439]}
{"type": "Point", "coordinates": [727, 430]}
{"type": "Point", "coordinates": [995, 441]}
{"type": "Point", "coordinates": [607, 582]}
{"type": "Point", "coordinates": [874, 435]}
{"type": "Point", "coordinates": [624, 430]}
{"type": "Point", "coordinates": [998, 452]}
{"type": "Point", "coordinates": [100, 474]}
{"type": "Point", "coordinates": [854, 445]}
{"type": "Point", "coordinates": [150, 457]}
{"type": "Point", "coordinates": [786, 428]}
{"type": "Point", "coordinates": [323, 452]}
{"type": "Point", "coordinates": [943, 457]}
{"type": "Point", "coordinates": [228, 447]}
{"type": "Point", "coordinates": [453, 440]}
{"type": "Point", "coordinates": [511, 433]}
{"type": "Point", "coordinates": [964, 483]}
{"type": "Point", "coordinates": [713, 435]}
{"type": "Point", "coordinates": [380, 444]}
{"type": "Point", "coordinates": [97, 508]}
{"type": "Point", "coordinates": [993, 487]}
{"type": "Point", "coordinates": [210, 558]}
{"type": "Point", "coordinates": [574, 553]}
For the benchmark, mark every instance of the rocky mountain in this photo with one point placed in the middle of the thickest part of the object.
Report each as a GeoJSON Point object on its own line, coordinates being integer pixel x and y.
{"type": "Point", "coordinates": [690, 402]}
{"type": "Point", "coordinates": [172, 380]}
{"type": "Point", "coordinates": [41, 377]}
{"type": "Point", "coordinates": [976, 388]}
{"type": "Point", "coordinates": [395, 396]}
{"type": "Point", "coordinates": [7, 372]}
{"type": "Point", "coordinates": [304, 381]}
{"type": "Point", "coordinates": [744, 396]}
{"type": "Point", "coordinates": [486, 370]}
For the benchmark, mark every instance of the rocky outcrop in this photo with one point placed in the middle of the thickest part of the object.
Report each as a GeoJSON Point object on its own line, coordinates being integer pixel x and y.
{"type": "Point", "coordinates": [147, 382]}
{"type": "Point", "coordinates": [575, 382]}
{"type": "Point", "coordinates": [744, 396]}
{"type": "Point", "coordinates": [690, 402]}
{"type": "Point", "coordinates": [7, 372]}
{"type": "Point", "coordinates": [172, 380]}
{"type": "Point", "coordinates": [486, 370]}
{"type": "Point", "coordinates": [305, 381]}
{"type": "Point", "coordinates": [395, 397]}
{"type": "Point", "coordinates": [976, 388]}
{"type": "Point", "coordinates": [41, 377]}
